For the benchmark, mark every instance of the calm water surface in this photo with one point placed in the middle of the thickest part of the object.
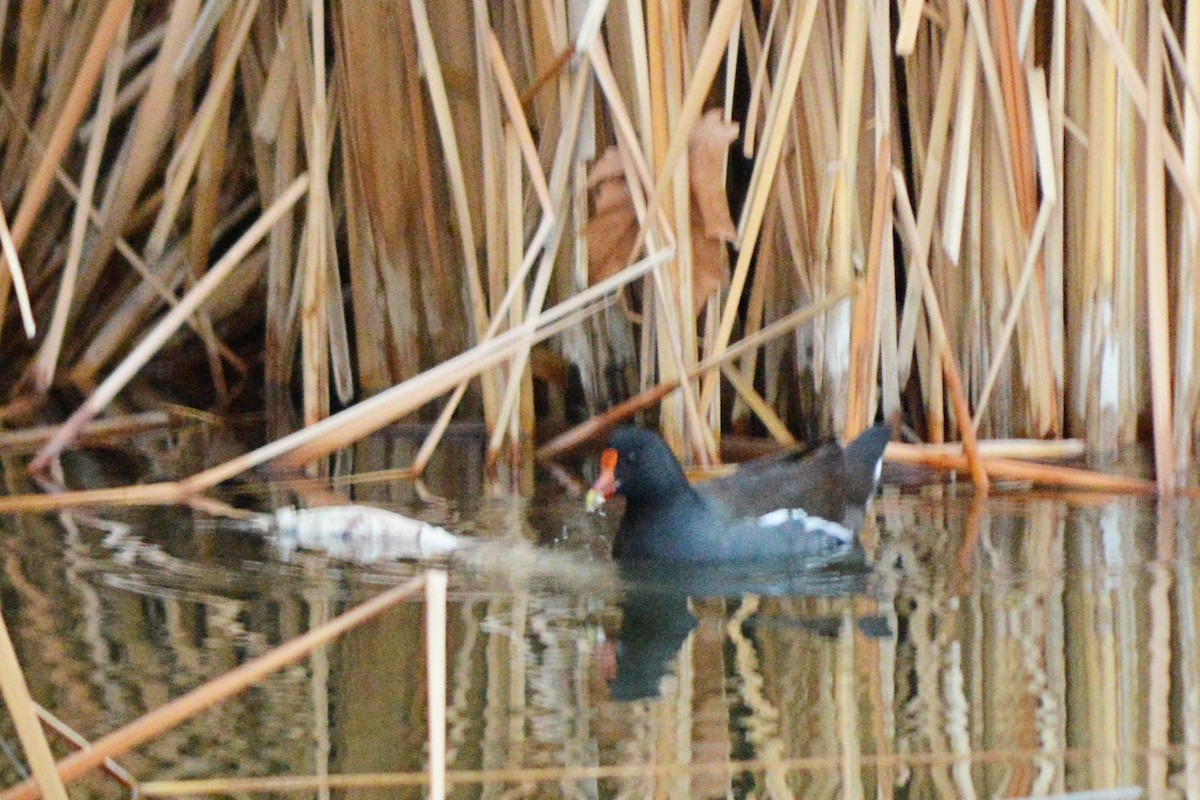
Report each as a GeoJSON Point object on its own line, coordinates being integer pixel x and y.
{"type": "Point", "coordinates": [1020, 646]}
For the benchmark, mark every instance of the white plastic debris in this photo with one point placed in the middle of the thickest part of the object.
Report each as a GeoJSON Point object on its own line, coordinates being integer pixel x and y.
{"type": "Point", "coordinates": [361, 533]}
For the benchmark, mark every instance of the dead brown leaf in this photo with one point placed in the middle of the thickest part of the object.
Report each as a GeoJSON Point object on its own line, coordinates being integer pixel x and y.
{"type": "Point", "coordinates": [708, 145]}
{"type": "Point", "coordinates": [612, 226]}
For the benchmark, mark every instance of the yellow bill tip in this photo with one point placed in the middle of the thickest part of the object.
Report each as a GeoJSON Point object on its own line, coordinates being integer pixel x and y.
{"type": "Point", "coordinates": [594, 501]}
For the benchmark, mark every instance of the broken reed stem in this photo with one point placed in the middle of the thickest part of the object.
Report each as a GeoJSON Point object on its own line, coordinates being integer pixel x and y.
{"type": "Point", "coordinates": [166, 327]}
{"type": "Point", "coordinates": [221, 688]}
{"type": "Point", "coordinates": [1011, 469]}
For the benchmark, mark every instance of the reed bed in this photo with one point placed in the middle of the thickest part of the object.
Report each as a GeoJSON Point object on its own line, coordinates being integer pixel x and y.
{"type": "Point", "coordinates": [338, 199]}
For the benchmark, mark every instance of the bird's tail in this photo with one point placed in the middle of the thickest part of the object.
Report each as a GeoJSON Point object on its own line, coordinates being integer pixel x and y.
{"type": "Point", "coordinates": [863, 459]}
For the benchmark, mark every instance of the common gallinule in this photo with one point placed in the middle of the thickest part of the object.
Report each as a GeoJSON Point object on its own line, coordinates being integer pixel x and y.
{"type": "Point", "coordinates": [804, 503]}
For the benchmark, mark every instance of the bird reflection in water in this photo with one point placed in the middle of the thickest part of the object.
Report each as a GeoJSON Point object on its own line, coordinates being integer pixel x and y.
{"type": "Point", "coordinates": [657, 618]}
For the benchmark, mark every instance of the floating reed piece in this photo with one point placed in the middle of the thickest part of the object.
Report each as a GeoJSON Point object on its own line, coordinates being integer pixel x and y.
{"type": "Point", "coordinates": [466, 167]}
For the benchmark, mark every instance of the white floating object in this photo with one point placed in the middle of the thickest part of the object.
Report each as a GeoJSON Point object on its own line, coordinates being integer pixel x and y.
{"type": "Point", "coordinates": [361, 533]}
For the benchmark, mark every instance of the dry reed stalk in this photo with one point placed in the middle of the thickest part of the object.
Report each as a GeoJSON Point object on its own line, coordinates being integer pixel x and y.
{"type": "Point", "coordinates": [187, 156]}
{"type": "Point", "coordinates": [1012, 469]}
{"type": "Point", "coordinates": [756, 52]}
{"type": "Point", "coordinates": [942, 343]}
{"type": "Point", "coordinates": [783, 97]}
{"type": "Point", "coordinates": [207, 194]}
{"type": "Point", "coordinates": [201, 34]}
{"type": "Point", "coordinates": [906, 34]}
{"type": "Point", "coordinates": [627, 141]}
{"type": "Point", "coordinates": [47, 358]}
{"type": "Point", "coordinates": [454, 169]}
{"type": "Point", "coordinates": [25, 72]}
{"type": "Point", "coordinates": [143, 146]}
{"type": "Point", "coordinates": [38, 186]}
{"type": "Point", "coordinates": [100, 349]}
{"type": "Point", "coordinates": [1041, 124]}
{"type": "Point", "coordinates": [167, 716]}
{"type": "Point", "coordinates": [371, 414]}
{"type": "Point", "coordinates": [1040, 378]}
{"type": "Point", "coordinates": [23, 712]}
{"type": "Point", "coordinates": [314, 317]}
{"type": "Point", "coordinates": [960, 153]}
{"type": "Point", "coordinates": [516, 113]}
{"type": "Point", "coordinates": [1137, 93]}
{"type": "Point", "coordinates": [1187, 305]}
{"type": "Point", "coordinates": [435, 666]}
{"type": "Point", "coordinates": [689, 112]}
{"type": "Point", "coordinates": [524, 422]}
{"type": "Point", "coordinates": [1054, 250]}
{"type": "Point", "coordinates": [559, 175]}
{"type": "Point", "coordinates": [550, 73]}
{"type": "Point", "coordinates": [155, 338]}
{"type": "Point", "coordinates": [28, 440]}
{"type": "Point", "coordinates": [756, 309]}
{"type": "Point", "coordinates": [837, 366]}
{"type": "Point", "coordinates": [745, 389]}
{"type": "Point", "coordinates": [431, 215]}
{"type": "Point", "coordinates": [376, 165]}
{"type": "Point", "coordinates": [675, 334]}
{"type": "Point", "coordinates": [69, 734]}
{"type": "Point", "coordinates": [884, 110]}
{"type": "Point", "coordinates": [864, 337]}
{"type": "Point", "coordinates": [81, 373]}
{"type": "Point", "coordinates": [1024, 449]}
{"type": "Point", "coordinates": [17, 276]}
{"type": "Point", "coordinates": [576, 773]}
{"type": "Point", "coordinates": [519, 385]}
{"type": "Point", "coordinates": [600, 424]}
{"type": "Point", "coordinates": [1157, 294]}
{"type": "Point", "coordinates": [930, 177]}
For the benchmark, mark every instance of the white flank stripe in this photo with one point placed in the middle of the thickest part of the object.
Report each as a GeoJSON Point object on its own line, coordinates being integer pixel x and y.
{"type": "Point", "coordinates": [812, 524]}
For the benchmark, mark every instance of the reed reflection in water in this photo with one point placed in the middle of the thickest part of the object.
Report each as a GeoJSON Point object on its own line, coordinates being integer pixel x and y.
{"type": "Point", "coordinates": [1012, 647]}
